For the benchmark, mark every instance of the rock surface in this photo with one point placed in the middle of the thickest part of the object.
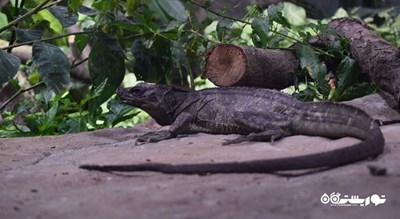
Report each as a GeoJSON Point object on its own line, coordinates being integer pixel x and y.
{"type": "Point", "coordinates": [40, 178]}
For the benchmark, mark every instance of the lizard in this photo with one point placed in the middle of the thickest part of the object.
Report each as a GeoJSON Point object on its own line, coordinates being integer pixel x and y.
{"type": "Point", "coordinates": [257, 114]}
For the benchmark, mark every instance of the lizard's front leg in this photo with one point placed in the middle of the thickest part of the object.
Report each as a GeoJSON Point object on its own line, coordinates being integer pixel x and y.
{"type": "Point", "coordinates": [181, 125]}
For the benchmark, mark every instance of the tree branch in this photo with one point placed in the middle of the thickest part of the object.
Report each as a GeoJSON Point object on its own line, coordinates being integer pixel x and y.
{"type": "Point", "coordinates": [218, 13]}
{"type": "Point", "coordinates": [34, 11]}
{"type": "Point", "coordinates": [46, 39]}
{"type": "Point", "coordinates": [74, 65]}
{"type": "Point", "coordinates": [19, 93]}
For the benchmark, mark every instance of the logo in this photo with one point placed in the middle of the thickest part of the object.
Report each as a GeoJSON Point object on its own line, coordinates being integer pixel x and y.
{"type": "Point", "coordinates": [354, 200]}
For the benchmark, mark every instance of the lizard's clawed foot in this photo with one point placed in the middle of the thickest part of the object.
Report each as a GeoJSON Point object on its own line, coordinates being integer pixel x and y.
{"type": "Point", "coordinates": [267, 136]}
{"type": "Point", "coordinates": [235, 140]}
{"type": "Point", "coordinates": [152, 137]}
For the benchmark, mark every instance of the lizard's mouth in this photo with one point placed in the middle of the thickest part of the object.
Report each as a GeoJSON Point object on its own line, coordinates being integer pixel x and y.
{"type": "Point", "coordinates": [125, 96]}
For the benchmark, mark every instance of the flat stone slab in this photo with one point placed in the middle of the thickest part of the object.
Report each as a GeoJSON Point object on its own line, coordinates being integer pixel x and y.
{"type": "Point", "coordinates": [40, 178]}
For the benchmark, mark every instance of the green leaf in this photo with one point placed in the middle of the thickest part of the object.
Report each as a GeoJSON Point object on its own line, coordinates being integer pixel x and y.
{"type": "Point", "coordinates": [223, 26]}
{"type": "Point", "coordinates": [261, 28]}
{"type": "Point", "coordinates": [174, 9]}
{"type": "Point", "coordinates": [25, 35]}
{"type": "Point", "coordinates": [157, 12]}
{"type": "Point", "coordinates": [357, 90]}
{"type": "Point", "coordinates": [131, 6]}
{"type": "Point", "coordinates": [52, 64]}
{"type": "Point", "coordinates": [47, 95]}
{"type": "Point", "coordinates": [319, 73]}
{"type": "Point", "coordinates": [105, 5]}
{"type": "Point", "coordinates": [49, 116]}
{"type": "Point", "coordinates": [117, 112]}
{"type": "Point", "coordinates": [81, 41]}
{"type": "Point", "coordinates": [274, 10]}
{"type": "Point", "coordinates": [178, 52]}
{"type": "Point", "coordinates": [9, 65]}
{"type": "Point", "coordinates": [21, 108]}
{"type": "Point", "coordinates": [45, 15]}
{"type": "Point", "coordinates": [43, 125]}
{"type": "Point", "coordinates": [46, 123]}
{"type": "Point", "coordinates": [147, 62]}
{"type": "Point", "coordinates": [275, 14]}
{"type": "Point", "coordinates": [333, 95]}
{"type": "Point", "coordinates": [93, 93]}
{"type": "Point", "coordinates": [30, 3]}
{"type": "Point", "coordinates": [277, 38]}
{"type": "Point", "coordinates": [336, 47]}
{"type": "Point", "coordinates": [65, 17]}
{"type": "Point", "coordinates": [74, 125]}
{"type": "Point", "coordinates": [340, 13]}
{"type": "Point", "coordinates": [131, 27]}
{"type": "Point", "coordinates": [294, 14]}
{"type": "Point", "coordinates": [32, 123]}
{"type": "Point", "coordinates": [3, 20]}
{"type": "Point", "coordinates": [346, 73]}
{"type": "Point", "coordinates": [306, 95]}
{"type": "Point", "coordinates": [307, 56]}
{"type": "Point", "coordinates": [75, 5]}
{"type": "Point", "coordinates": [147, 22]}
{"type": "Point", "coordinates": [171, 27]}
{"type": "Point", "coordinates": [106, 62]}
{"type": "Point", "coordinates": [317, 70]}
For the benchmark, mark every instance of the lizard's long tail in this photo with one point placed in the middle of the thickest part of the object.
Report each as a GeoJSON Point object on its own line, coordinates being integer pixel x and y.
{"type": "Point", "coordinates": [363, 127]}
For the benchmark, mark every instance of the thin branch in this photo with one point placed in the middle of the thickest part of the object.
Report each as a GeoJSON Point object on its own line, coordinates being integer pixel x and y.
{"type": "Point", "coordinates": [151, 30]}
{"type": "Point", "coordinates": [19, 93]}
{"type": "Point", "coordinates": [218, 13]}
{"type": "Point", "coordinates": [52, 4]}
{"type": "Point", "coordinates": [202, 36]}
{"type": "Point", "coordinates": [33, 11]}
{"type": "Point", "coordinates": [46, 39]}
{"type": "Point", "coordinates": [74, 65]}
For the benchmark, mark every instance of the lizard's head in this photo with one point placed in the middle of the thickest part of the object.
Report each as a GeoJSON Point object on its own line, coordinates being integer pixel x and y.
{"type": "Point", "coordinates": [156, 99]}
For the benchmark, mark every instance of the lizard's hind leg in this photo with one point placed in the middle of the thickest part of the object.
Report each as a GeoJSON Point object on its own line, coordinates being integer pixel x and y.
{"type": "Point", "coordinates": [261, 128]}
{"type": "Point", "coordinates": [268, 135]}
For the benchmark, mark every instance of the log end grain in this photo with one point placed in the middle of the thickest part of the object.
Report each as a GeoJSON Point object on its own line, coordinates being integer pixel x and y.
{"type": "Point", "coordinates": [225, 65]}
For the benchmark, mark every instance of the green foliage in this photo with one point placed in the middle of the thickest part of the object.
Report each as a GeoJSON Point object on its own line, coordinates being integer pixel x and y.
{"type": "Point", "coordinates": [64, 15]}
{"type": "Point", "coordinates": [173, 9]}
{"type": "Point", "coordinates": [106, 64]}
{"type": "Point", "coordinates": [223, 27]}
{"type": "Point", "coordinates": [158, 41]}
{"type": "Point", "coordinates": [316, 69]}
{"type": "Point", "coordinates": [261, 28]}
{"type": "Point", "coordinates": [52, 64]}
{"type": "Point", "coordinates": [26, 35]}
{"type": "Point", "coordinates": [9, 65]}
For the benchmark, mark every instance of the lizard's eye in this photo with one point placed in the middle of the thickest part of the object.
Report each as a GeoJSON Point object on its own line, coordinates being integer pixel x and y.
{"type": "Point", "coordinates": [136, 91]}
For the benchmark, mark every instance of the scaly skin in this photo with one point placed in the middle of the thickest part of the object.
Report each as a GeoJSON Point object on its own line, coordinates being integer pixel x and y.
{"type": "Point", "coordinates": [258, 115]}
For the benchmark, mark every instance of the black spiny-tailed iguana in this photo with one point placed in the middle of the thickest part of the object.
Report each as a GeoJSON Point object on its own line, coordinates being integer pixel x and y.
{"type": "Point", "coordinates": [258, 115]}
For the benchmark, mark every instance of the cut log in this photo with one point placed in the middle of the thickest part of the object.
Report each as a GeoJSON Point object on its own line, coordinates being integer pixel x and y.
{"type": "Point", "coordinates": [374, 55]}
{"type": "Point", "coordinates": [232, 65]}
